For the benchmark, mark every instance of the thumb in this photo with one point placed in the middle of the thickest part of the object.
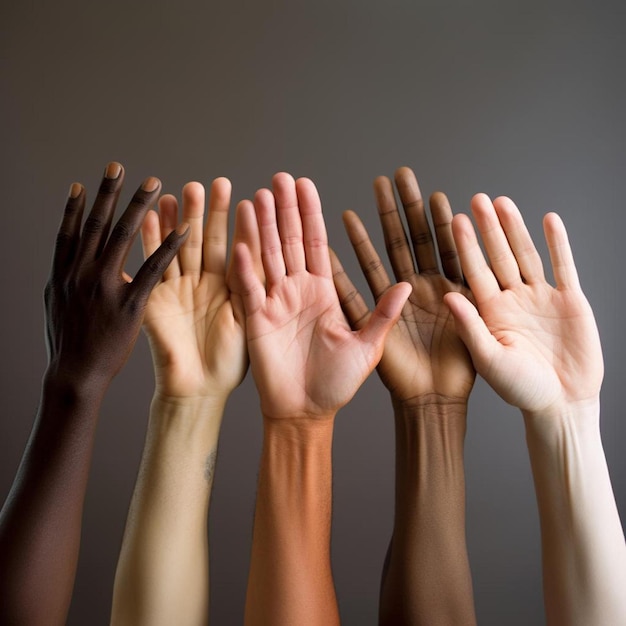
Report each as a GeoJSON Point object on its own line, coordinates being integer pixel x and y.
{"type": "Point", "coordinates": [385, 315]}
{"type": "Point", "coordinates": [472, 330]}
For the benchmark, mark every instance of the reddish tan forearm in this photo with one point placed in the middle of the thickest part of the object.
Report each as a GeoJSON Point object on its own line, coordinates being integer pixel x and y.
{"type": "Point", "coordinates": [290, 574]}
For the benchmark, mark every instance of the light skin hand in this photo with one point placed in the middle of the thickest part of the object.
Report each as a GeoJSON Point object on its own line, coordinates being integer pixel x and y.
{"type": "Point", "coordinates": [536, 345]}
{"type": "Point", "coordinates": [306, 360]}
{"type": "Point", "coordinates": [423, 356]}
{"type": "Point", "coordinates": [195, 328]}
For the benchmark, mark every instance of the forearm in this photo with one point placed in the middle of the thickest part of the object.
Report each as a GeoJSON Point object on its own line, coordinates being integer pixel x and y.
{"type": "Point", "coordinates": [290, 579]}
{"type": "Point", "coordinates": [163, 572]}
{"type": "Point", "coordinates": [427, 578]}
{"type": "Point", "coordinates": [40, 523]}
{"type": "Point", "coordinates": [584, 553]}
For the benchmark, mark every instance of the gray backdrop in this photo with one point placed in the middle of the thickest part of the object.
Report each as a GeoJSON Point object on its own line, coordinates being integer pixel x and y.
{"type": "Point", "coordinates": [523, 98]}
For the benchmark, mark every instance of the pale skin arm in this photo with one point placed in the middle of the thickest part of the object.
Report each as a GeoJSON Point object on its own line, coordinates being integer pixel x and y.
{"type": "Point", "coordinates": [538, 347]}
{"type": "Point", "coordinates": [426, 578]}
{"type": "Point", "coordinates": [93, 317]}
{"type": "Point", "coordinates": [199, 352]}
{"type": "Point", "coordinates": [307, 363]}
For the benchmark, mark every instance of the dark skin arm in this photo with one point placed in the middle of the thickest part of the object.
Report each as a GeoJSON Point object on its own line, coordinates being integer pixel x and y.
{"type": "Point", "coordinates": [93, 317]}
{"type": "Point", "coordinates": [426, 577]}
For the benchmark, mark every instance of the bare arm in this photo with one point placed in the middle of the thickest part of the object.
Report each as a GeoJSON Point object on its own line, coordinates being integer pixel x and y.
{"type": "Point", "coordinates": [426, 578]}
{"type": "Point", "coordinates": [538, 347]}
{"type": "Point", "coordinates": [198, 347]}
{"type": "Point", "coordinates": [307, 363]}
{"type": "Point", "coordinates": [93, 316]}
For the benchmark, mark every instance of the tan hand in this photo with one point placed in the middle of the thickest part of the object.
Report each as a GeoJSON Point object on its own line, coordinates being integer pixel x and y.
{"type": "Point", "coordinates": [306, 360]}
{"type": "Point", "coordinates": [196, 333]}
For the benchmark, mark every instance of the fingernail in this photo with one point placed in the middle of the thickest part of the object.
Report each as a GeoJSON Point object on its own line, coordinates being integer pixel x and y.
{"type": "Point", "coordinates": [182, 228]}
{"type": "Point", "coordinates": [150, 184]}
{"type": "Point", "coordinates": [75, 190]}
{"type": "Point", "coordinates": [113, 170]}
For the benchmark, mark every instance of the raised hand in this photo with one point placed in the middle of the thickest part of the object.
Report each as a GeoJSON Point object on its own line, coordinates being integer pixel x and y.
{"type": "Point", "coordinates": [197, 337]}
{"type": "Point", "coordinates": [306, 360]}
{"type": "Point", "coordinates": [536, 345]}
{"type": "Point", "coordinates": [307, 363]}
{"type": "Point", "coordinates": [196, 332]}
{"type": "Point", "coordinates": [426, 577]}
{"type": "Point", "coordinates": [93, 316]}
{"type": "Point", "coordinates": [423, 355]}
{"type": "Point", "coordinates": [93, 311]}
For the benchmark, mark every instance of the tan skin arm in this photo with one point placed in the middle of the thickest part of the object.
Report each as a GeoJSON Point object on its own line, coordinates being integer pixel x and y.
{"type": "Point", "coordinates": [307, 363]}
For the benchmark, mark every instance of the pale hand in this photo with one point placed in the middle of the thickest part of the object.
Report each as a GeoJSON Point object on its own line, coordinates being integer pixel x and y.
{"type": "Point", "coordinates": [536, 345]}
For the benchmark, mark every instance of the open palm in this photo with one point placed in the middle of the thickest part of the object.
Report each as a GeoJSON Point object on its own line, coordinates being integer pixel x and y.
{"type": "Point", "coordinates": [537, 345]}
{"type": "Point", "coordinates": [423, 353]}
{"type": "Point", "coordinates": [197, 339]}
{"type": "Point", "coordinates": [306, 360]}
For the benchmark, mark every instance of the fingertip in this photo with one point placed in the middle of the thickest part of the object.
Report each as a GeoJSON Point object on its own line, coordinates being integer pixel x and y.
{"type": "Point", "coordinates": [281, 179]}
{"type": "Point", "coordinates": [182, 229]}
{"type": "Point", "coordinates": [381, 183]}
{"type": "Point", "coordinates": [193, 190]}
{"type": "Point", "coordinates": [167, 201]}
{"type": "Point", "coordinates": [221, 187]}
{"type": "Point", "coordinates": [404, 171]}
{"type": "Point", "coordinates": [75, 190]}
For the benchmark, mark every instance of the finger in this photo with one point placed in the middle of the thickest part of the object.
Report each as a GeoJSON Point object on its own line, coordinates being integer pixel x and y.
{"type": "Point", "coordinates": [421, 235]}
{"type": "Point", "coordinates": [289, 222]}
{"type": "Point", "coordinates": [190, 255]}
{"type": "Point", "coordinates": [150, 233]}
{"type": "Point", "coordinates": [168, 219]}
{"type": "Point", "coordinates": [503, 262]}
{"type": "Point", "coordinates": [479, 276]}
{"type": "Point", "coordinates": [471, 328]}
{"type": "Point", "coordinates": [384, 316]}
{"type": "Point", "coordinates": [271, 247]}
{"type": "Point", "coordinates": [396, 242]}
{"type": "Point", "coordinates": [313, 229]}
{"type": "Point", "coordinates": [151, 272]}
{"type": "Point", "coordinates": [125, 231]}
{"type": "Point", "coordinates": [68, 236]}
{"type": "Point", "coordinates": [373, 269]}
{"type": "Point", "coordinates": [250, 288]}
{"type": "Point", "coordinates": [352, 303]}
{"type": "Point", "coordinates": [216, 228]}
{"type": "Point", "coordinates": [442, 221]}
{"type": "Point", "coordinates": [247, 231]}
{"type": "Point", "coordinates": [98, 222]}
{"type": "Point", "coordinates": [526, 255]}
{"type": "Point", "coordinates": [561, 257]}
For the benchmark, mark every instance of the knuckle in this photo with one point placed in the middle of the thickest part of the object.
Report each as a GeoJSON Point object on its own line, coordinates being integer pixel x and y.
{"type": "Point", "coordinates": [421, 239]}
{"type": "Point", "coordinates": [396, 243]}
{"type": "Point", "coordinates": [94, 224]}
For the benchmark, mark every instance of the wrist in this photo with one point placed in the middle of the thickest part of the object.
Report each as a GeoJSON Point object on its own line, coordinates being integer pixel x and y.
{"type": "Point", "coordinates": [299, 429]}
{"type": "Point", "coordinates": [431, 407]}
{"type": "Point", "coordinates": [71, 391]}
{"type": "Point", "coordinates": [576, 417]}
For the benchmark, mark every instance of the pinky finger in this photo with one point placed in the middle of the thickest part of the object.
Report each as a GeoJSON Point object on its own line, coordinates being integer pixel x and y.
{"type": "Point", "coordinates": [561, 257]}
{"type": "Point", "coordinates": [68, 236]}
{"type": "Point", "coordinates": [151, 272]}
{"type": "Point", "coordinates": [351, 300]}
